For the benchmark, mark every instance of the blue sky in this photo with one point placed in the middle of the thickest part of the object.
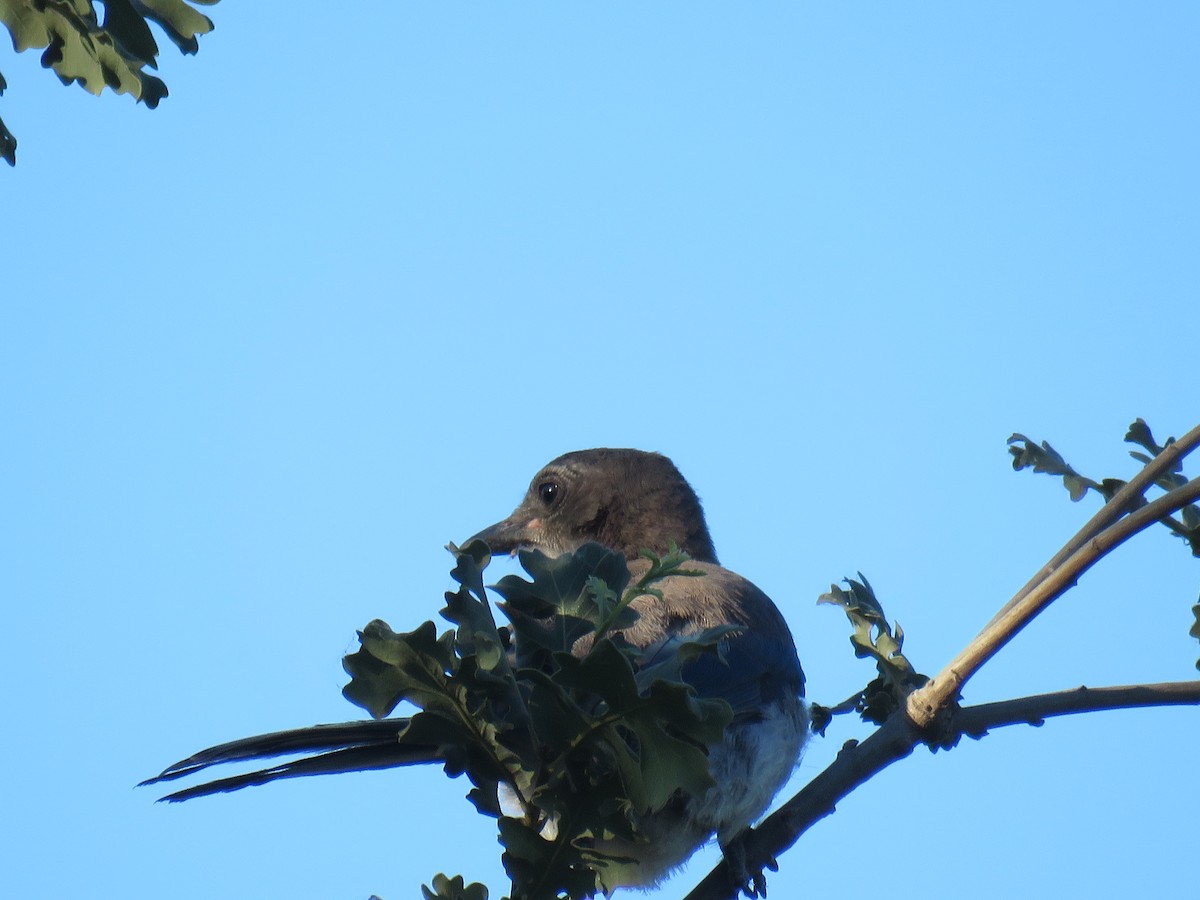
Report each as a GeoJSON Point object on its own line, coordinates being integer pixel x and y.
{"type": "Point", "coordinates": [264, 350]}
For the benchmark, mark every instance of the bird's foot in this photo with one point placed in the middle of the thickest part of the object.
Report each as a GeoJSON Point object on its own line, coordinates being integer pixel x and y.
{"type": "Point", "coordinates": [749, 880]}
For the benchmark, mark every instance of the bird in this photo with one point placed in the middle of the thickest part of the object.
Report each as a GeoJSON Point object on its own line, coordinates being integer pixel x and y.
{"type": "Point", "coordinates": [629, 501]}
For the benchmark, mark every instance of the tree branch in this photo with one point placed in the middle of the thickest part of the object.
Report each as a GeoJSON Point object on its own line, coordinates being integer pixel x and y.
{"type": "Point", "coordinates": [974, 721]}
{"type": "Point", "coordinates": [896, 738]}
{"type": "Point", "coordinates": [1128, 497]}
{"type": "Point", "coordinates": [925, 704]}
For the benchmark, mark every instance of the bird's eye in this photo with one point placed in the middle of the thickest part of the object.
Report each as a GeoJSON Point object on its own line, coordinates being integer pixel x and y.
{"type": "Point", "coordinates": [548, 491]}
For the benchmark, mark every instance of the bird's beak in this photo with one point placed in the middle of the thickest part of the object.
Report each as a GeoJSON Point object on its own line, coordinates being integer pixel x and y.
{"type": "Point", "coordinates": [511, 534]}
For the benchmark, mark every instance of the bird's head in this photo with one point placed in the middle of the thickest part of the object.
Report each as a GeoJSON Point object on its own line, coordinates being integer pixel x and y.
{"type": "Point", "coordinates": [629, 500]}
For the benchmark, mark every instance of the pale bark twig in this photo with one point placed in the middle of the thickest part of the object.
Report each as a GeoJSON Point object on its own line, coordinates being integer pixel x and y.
{"type": "Point", "coordinates": [1122, 502]}
{"type": "Point", "coordinates": [896, 738]}
{"type": "Point", "coordinates": [925, 704]}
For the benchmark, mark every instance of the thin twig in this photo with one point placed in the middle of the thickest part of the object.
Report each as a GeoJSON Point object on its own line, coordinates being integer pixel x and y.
{"type": "Point", "coordinates": [1122, 502]}
{"type": "Point", "coordinates": [926, 703]}
{"type": "Point", "coordinates": [975, 721]}
{"type": "Point", "coordinates": [1177, 528]}
{"type": "Point", "coordinates": [896, 738]}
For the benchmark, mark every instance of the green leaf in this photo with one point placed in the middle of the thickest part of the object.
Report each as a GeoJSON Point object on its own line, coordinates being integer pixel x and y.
{"type": "Point", "coordinates": [561, 584]}
{"type": "Point", "coordinates": [26, 24]}
{"type": "Point", "coordinates": [469, 564]}
{"type": "Point", "coordinates": [96, 59]}
{"type": "Point", "coordinates": [96, 55]}
{"type": "Point", "coordinates": [1139, 433]}
{"type": "Point", "coordinates": [8, 145]}
{"type": "Point", "coordinates": [584, 741]}
{"type": "Point", "coordinates": [130, 32]}
{"type": "Point", "coordinates": [181, 23]}
{"type": "Point", "coordinates": [605, 598]}
{"type": "Point", "coordinates": [453, 889]}
{"type": "Point", "coordinates": [1194, 631]}
{"type": "Point", "coordinates": [819, 718]}
{"type": "Point", "coordinates": [460, 717]}
{"type": "Point", "coordinates": [1045, 459]}
{"type": "Point", "coordinates": [873, 638]}
{"type": "Point", "coordinates": [669, 666]}
{"type": "Point", "coordinates": [670, 727]}
{"type": "Point", "coordinates": [391, 667]}
{"type": "Point", "coordinates": [543, 869]}
{"type": "Point", "coordinates": [673, 731]}
{"type": "Point", "coordinates": [554, 610]}
{"type": "Point", "coordinates": [469, 610]}
{"type": "Point", "coordinates": [556, 715]}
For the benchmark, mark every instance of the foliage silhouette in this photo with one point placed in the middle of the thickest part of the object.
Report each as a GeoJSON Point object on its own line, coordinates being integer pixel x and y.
{"type": "Point", "coordinates": [96, 54]}
{"type": "Point", "coordinates": [562, 745]}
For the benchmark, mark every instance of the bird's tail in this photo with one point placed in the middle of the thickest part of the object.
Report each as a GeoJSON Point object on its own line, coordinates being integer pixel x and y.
{"type": "Point", "coordinates": [346, 747]}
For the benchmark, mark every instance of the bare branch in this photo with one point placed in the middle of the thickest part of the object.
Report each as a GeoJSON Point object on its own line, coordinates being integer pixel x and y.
{"type": "Point", "coordinates": [896, 738]}
{"type": "Point", "coordinates": [926, 703]}
{"type": "Point", "coordinates": [1126, 499]}
{"type": "Point", "coordinates": [974, 721]}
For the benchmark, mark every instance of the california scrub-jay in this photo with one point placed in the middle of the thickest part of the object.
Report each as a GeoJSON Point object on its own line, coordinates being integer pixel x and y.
{"type": "Point", "coordinates": [627, 500]}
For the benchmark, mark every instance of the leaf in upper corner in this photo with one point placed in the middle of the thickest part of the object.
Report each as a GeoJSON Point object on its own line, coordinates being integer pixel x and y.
{"type": "Point", "coordinates": [181, 23]}
{"type": "Point", "coordinates": [25, 24]}
{"type": "Point", "coordinates": [113, 53]}
{"type": "Point", "coordinates": [129, 30]}
{"type": "Point", "coordinates": [95, 60]}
